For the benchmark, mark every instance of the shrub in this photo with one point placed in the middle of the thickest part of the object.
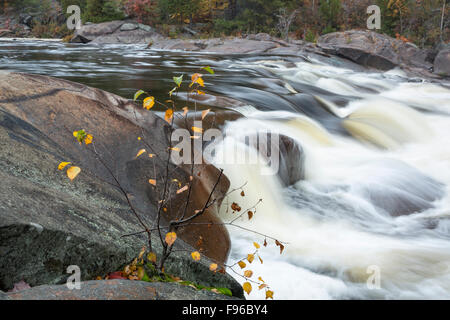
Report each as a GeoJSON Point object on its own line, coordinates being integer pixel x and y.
{"type": "Point", "coordinates": [102, 10]}
{"type": "Point", "coordinates": [145, 11]}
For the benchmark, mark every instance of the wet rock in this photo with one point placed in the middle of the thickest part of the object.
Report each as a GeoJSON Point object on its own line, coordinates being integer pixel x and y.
{"type": "Point", "coordinates": [442, 63]}
{"type": "Point", "coordinates": [374, 50]}
{"type": "Point", "coordinates": [48, 223]}
{"type": "Point", "coordinates": [92, 31]}
{"type": "Point", "coordinates": [290, 156]}
{"type": "Point", "coordinates": [129, 27]}
{"type": "Point", "coordinates": [260, 37]}
{"type": "Point", "coordinates": [3, 296]}
{"type": "Point", "coordinates": [79, 39]}
{"type": "Point", "coordinates": [116, 290]}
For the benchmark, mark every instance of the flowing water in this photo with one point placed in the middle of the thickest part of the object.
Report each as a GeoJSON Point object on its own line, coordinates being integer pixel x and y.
{"type": "Point", "coordinates": [376, 146]}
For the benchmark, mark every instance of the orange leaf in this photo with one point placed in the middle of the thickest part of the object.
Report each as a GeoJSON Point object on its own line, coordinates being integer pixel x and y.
{"type": "Point", "coordinates": [262, 286]}
{"type": "Point", "coordinates": [152, 181]}
{"type": "Point", "coordinates": [242, 264]}
{"type": "Point", "coordinates": [169, 115]}
{"type": "Point", "coordinates": [269, 294]}
{"type": "Point", "coordinates": [72, 172]}
{"type": "Point", "coordinates": [250, 258]}
{"type": "Point", "coordinates": [88, 139]}
{"type": "Point", "coordinates": [170, 238]}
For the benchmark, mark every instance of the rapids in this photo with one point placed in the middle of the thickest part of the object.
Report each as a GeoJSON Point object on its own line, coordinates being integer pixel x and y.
{"type": "Point", "coordinates": [375, 197]}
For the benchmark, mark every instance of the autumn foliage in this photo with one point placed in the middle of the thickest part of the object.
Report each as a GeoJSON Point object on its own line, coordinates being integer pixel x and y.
{"type": "Point", "coordinates": [149, 264]}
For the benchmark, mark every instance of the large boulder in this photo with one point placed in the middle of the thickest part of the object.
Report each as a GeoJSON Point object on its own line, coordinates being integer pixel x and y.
{"type": "Point", "coordinates": [374, 50]}
{"type": "Point", "coordinates": [442, 62]}
{"type": "Point", "coordinates": [127, 32]}
{"type": "Point", "coordinates": [115, 290]}
{"type": "Point", "coordinates": [48, 222]}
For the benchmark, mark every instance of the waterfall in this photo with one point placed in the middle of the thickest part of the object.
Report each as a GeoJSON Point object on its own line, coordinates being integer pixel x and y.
{"type": "Point", "coordinates": [374, 199]}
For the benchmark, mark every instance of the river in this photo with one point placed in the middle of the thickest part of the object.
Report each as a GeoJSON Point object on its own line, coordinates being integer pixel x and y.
{"type": "Point", "coordinates": [376, 146]}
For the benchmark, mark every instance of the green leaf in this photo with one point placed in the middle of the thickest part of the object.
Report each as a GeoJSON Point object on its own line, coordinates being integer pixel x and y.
{"type": "Point", "coordinates": [172, 91]}
{"type": "Point", "coordinates": [145, 278]}
{"type": "Point", "coordinates": [137, 94]}
{"type": "Point", "coordinates": [80, 135]}
{"type": "Point", "coordinates": [208, 68]}
{"type": "Point", "coordinates": [225, 291]}
{"type": "Point", "coordinates": [178, 80]}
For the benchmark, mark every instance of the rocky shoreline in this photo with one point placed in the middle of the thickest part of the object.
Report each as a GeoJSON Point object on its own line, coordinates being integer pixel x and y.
{"type": "Point", "coordinates": [48, 222]}
{"type": "Point", "coordinates": [367, 48]}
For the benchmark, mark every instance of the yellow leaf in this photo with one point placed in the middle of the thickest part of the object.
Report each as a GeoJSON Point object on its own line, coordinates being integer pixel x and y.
{"type": "Point", "coordinates": [247, 287]}
{"type": "Point", "coordinates": [152, 181]}
{"type": "Point", "coordinates": [195, 77]}
{"type": "Point", "coordinates": [140, 152]}
{"type": "Point", "coordinates": [62, 165]}
{"type": "Point", "coordinates": [200, 81]}
{"type": "Point", "coordinates": [241, 264]}
{"type": "Point", "coordinates": [141, 254]}
{"type": "Point", "coordinates": [260, 279]}
{"type": "Point", "coordinates": [195, 255]}
{"type": "Point", "coordinates": [269, 294]}
{"type": "Point", "coordinates": [197, 130]}
{"type": "Point", "coordinates": [177, 181]}
{"type": "Point", "coordinates": [172, 91]}
{"type": "Point", "coordinates": [257, 246]}
{"type": "Point", "coordinates": [250, 258]}
{"type": "Point", "coordinates": [182, 189]}
{"type": "Point", "coordinates": [261, 260]}
{"type": "Point", "coordinates": [175, 149]}
{"type": "Point", "coordinates": [149, 102]}
{"type": "Point", "coordinates": [213, 267]}
{"type": "Point", "coordinates": [88, 139]}
{"type": "Point", "coordinates": [151, 155]}
{"type": "Point", "coordinates": [248, 274]}
{"type": "Point", "coordinates": [151, 257]}
{"type": "Point", "coordinates": [170, 238]}
{"type": "Point", "coordinates": [205, 112]}
{"type": "Point", "coordinates": [195, 137]}
{"type": "Point", "coordinates": [200, 92]}
{"type": "Point", "coordinates": [72, 172]}
{"type": "Point", "coordinates": [169, 115]}
{"type": "Point", "coordinates": [140, 273]}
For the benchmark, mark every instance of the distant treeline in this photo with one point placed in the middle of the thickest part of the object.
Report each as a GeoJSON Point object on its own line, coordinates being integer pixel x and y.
{"type": "Point", "coordinates": [424, 22]}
